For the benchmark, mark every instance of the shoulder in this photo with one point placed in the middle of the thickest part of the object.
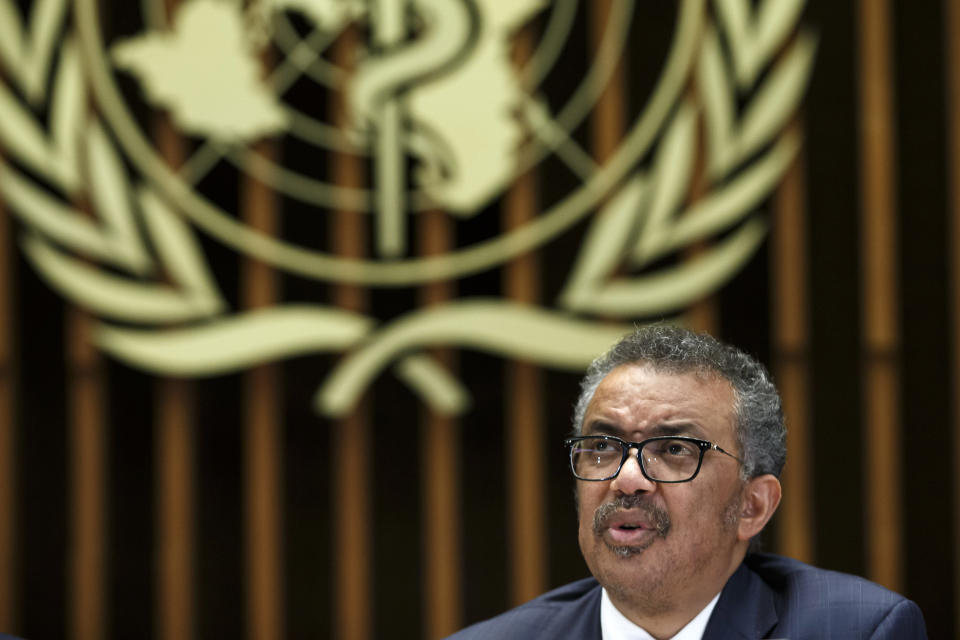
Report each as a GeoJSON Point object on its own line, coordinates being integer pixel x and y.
{"type": "Point", "coordinates": [543, 617]}
{"type": "Point", "coordinates": [837, 600]}
{"type": "Point", "coordinates": [789, 575]}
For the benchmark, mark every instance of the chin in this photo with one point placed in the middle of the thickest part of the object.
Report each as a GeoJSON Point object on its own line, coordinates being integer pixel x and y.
{"type": "Point", "coordinates": [626, 551]}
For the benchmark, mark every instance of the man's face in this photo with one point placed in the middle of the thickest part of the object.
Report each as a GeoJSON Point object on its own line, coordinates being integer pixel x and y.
{"type": "Point", "coordinates": [655, 545]}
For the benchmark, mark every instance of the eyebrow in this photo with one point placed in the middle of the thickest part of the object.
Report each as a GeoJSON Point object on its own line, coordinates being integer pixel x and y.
{"type": "Point", "coordinates": [680, 429]}
{"type": "Point", "coordinates": [683, 429]}
{"type": "Point", "coordinates": [604, 428]}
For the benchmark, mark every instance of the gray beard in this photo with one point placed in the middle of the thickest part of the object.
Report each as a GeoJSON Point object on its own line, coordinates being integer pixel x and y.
{"type": "Point", "coordinates": [605, 512]}
{"type": "Point", "coordinates": [656, 600]}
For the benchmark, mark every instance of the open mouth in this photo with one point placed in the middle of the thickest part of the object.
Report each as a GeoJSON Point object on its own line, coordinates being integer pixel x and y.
{"type": "Point", "coordinates": [629, 533]}
{"type": "Point", "coordinates": [630, 523]}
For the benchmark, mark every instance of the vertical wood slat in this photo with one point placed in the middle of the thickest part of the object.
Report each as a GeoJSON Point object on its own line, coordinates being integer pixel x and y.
{"type": "Point", "coordinates": [440, 452]}
{"type": "Point", "coordinates": [791, 355]}
{"type": "Point", "coordinates": [525, 428]}
{"type": "Point", "coordinates": [8, 459]}
{"type": "Point", "coordinates": [262, 426]}
{"type": "Point", "coordinates": [608, 118]}
{"type": "Point", "coordinates": [350, 441]}
{"type": "Point", "coordinates": [881, 397]}
{"type": "Point", "coordinates": [175, 463]}
{"type": "Point", "coordinates": [87, 459]}
{"type": "Point", "coordinates": [704, 314]}
{"type": "Point", "coordinates": [350, 436]}
{"type": "Point", "coordinates": [352, 515]}
{"type": "Point", "coordinates": [952, 40]}
{"type": "Point", "coordinates": [263, 487]}
{"type": "Point", "coordinates": [174, 451]}
{"type": "Point", "coordinates": [440, 455]}
{"type": "Point", "coordinates": [175, 617]}
{"type": "Point", "coordinates": [524, 402]}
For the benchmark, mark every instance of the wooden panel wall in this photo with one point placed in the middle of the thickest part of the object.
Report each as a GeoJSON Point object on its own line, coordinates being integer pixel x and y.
{"type": "Point", "coordinates": [263, 435]}
{"type": "Point", "coordinates": [952, 54]}
{"type": "Point", "coordinates": [854, 303]}
{"type": "Point", "coordinates": [9, 521]}
{"type": "Point", "coordinates": [350, 437]}
{"type": "Point", "coordinates": [524, 421]}
{"type": "Point", "coordinates": [880, 342]}
{"type": "Point", "coordinates": [791, 357]}
{"type": "Point", "coordinates": [174, 445]}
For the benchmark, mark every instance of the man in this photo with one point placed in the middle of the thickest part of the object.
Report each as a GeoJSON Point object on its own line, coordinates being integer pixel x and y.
{"type": "Point", "coordinates": [679, 442]}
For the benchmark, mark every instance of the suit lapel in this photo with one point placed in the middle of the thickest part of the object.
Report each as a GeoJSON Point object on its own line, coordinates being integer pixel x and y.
{"type": "Point", "coordinates": [746, 608]}
{"type": "Point", "coordinates": [578, 622]}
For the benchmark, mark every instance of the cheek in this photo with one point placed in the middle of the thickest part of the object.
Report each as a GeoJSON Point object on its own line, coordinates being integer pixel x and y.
{"type": "Point", "coordinates": [708, 516]}
{"type": "Point", "coordinates": [588, 497]}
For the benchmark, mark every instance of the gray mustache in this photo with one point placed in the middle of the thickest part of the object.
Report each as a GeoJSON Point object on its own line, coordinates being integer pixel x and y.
{"type": "Point", "coordinates": [653, 514]}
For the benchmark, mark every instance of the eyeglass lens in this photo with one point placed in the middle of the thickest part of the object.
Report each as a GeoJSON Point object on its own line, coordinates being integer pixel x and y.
{"type": "Point", "coordinates": [667, 460]}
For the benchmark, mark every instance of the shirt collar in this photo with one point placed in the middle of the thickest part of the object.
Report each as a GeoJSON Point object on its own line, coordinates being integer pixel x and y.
{"type": "Point", "coordinates": [616, 626]}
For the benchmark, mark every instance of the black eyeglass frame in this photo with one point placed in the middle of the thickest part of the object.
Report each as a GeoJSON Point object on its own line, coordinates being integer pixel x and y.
{"type": "Point", "coordinates": [704, 445]}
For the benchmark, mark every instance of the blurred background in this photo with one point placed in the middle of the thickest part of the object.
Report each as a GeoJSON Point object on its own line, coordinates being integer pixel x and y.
{"type": "Point", "coordinates": [295, 294]}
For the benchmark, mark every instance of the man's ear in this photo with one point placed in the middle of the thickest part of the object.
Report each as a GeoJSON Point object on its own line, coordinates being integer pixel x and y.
{"type": "Point", "coordinates": [761, 496]}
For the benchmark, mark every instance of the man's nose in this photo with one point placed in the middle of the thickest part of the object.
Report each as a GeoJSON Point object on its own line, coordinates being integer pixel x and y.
{"type": "Point", "coordinates": [631, 480]}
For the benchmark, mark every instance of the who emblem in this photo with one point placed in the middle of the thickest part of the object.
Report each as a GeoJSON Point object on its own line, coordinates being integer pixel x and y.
{"type": "Point", "coordinates": [129, 132]}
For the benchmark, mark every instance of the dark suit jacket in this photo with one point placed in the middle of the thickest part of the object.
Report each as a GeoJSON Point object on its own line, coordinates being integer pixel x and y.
{"type": "Point", "coordinates": [767, 597]}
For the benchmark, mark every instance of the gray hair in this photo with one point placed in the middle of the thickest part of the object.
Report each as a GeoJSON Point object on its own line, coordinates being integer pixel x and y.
{"type": "Point", "coordinates": [760, 428]}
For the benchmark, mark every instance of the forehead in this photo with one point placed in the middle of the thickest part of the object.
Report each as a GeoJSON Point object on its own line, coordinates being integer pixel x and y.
{"type": "Point", "coordinates": [639, 400]}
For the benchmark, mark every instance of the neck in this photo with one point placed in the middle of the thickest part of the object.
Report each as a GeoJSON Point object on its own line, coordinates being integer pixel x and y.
{"type": "Point", "coordinates": [664, 614]}
{"type": "Point", "coordinates": [613, 620]}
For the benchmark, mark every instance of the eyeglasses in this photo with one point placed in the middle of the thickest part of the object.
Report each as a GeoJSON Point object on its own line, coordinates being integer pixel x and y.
{"type": "Point", "coordinates": [662, 459]}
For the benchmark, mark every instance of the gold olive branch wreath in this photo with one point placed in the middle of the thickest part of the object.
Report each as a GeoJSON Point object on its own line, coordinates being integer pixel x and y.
{"type": "Point", "coordinates": [137, 261]}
